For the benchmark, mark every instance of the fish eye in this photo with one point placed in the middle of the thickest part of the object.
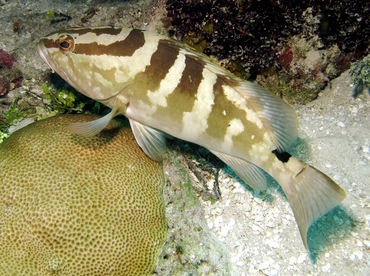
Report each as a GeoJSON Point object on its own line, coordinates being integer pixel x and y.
{"type": "Point", "coordinates": [66, 43]}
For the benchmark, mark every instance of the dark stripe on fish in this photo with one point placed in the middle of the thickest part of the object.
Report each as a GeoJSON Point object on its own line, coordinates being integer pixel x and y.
{"type": "Point", "coordinates": [97, 31]}
{"type": "Point", "coordinates": [161, 62]}
{"type": "Point", "coordinates": [191, 77]}
{"type": "Point", "coordinates": [127, 47]}
{"type": "Point", "coordinates": [50, 43]}
{"type": "Point", "coordinates": [221, 104]}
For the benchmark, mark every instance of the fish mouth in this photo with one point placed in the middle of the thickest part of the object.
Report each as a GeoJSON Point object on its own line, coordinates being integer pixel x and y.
{"type": "Point", "coordinates": [43, 52]}
{"type": "Point", "coordinates": [45, 55]}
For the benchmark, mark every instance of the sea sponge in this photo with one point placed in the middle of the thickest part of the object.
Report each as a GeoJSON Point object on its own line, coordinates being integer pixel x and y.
{"type": "Point", "coordinates": [78, 206]}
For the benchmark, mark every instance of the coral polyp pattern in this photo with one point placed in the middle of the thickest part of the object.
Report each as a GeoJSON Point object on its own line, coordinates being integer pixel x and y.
{"type": "Point", "coordinates": [78, 206]}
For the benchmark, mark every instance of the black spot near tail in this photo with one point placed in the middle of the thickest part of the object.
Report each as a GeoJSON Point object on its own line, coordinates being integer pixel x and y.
{"type": "Point", "coordinates": [282, 156]}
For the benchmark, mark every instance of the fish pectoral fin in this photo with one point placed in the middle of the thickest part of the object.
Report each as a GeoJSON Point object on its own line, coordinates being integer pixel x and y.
{"type": "Point", "coordinates": [248, 172]}
{"type": "Point", "coordinates": [311, 195]}
{"type": "Point", "coordinates": [89, 129]}
{"type": "Point", "coordinates": [151, 141]}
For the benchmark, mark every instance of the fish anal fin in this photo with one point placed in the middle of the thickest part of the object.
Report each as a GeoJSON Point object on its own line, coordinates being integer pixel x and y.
{"type": "Point", "coordinates": [311, 195]}
{"type": "Point", "coordinates": [248, 172]}
{"type": "Point", "coordinates": [151, 141]}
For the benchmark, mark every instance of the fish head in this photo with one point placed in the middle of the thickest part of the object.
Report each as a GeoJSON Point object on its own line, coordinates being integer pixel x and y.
{"type": "Point", "coordinates": [83, 57]}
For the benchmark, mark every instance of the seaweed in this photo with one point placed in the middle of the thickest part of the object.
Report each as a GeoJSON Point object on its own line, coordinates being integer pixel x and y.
{"type": "Point", "coordinates": [253, 38]}
{"type": "Point", "coordinates": [10, 118]}
{"type": "Point", "coordinates": [252, 32]}
{"type": "Point", "coordinates": [360, 74]}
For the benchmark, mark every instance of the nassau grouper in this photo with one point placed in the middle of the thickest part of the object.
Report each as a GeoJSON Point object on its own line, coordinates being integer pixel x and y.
{"type": "Point", "coordinates": [165, 89]}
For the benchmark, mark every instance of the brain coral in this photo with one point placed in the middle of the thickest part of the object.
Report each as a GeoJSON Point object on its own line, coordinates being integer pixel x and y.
{"type": "Point", "coordinates": [78, 206]}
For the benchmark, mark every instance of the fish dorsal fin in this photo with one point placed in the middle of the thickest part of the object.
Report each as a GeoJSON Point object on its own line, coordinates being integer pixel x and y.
{"type": "Point", "coordinates": [89, 129]}
{"type": "Point", "coordinates": [248, 172]}
{"type": "Point", "coordinates": [151, 141]}
{"type": "Point", "coordinates": [278, 117]}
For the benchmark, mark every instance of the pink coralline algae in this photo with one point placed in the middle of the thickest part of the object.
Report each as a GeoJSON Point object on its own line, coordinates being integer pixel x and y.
{"type": "Point", "coordinates": [6, 60]}
{"type": "Point", "coordinates": [10, 77]}
{"type": "Point", "coordinates": [3, 86]}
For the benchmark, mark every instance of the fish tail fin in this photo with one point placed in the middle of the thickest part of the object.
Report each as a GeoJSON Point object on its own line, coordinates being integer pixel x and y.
{"type": "Point", "coordinates": [311, 194]}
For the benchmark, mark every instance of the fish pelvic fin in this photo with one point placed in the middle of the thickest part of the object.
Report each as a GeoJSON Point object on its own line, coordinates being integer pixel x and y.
{"type": "Point", "coordinates": [150, 140]}
{"type": "Point", "coordinates": [311, 195]}
{"type": "Point", "coordinates": [89, 129]}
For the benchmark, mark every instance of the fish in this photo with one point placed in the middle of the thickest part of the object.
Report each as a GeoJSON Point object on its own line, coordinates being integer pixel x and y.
{"type": "Point", "coordinates": [167, 89]}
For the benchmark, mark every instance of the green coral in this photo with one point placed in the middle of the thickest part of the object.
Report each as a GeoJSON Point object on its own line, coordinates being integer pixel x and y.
{"type": "Point", "coordinates": [63, 100]}
{"type": "Point", "coordinates": [360, 74]}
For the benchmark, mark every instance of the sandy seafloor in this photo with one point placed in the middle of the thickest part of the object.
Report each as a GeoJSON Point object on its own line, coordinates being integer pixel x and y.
{"type": "Point", "coordinates": [243, 232]}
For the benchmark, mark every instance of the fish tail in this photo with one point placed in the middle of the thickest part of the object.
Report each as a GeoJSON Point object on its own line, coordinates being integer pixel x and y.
{"type": "Point", "coordinates": [311, 194]}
